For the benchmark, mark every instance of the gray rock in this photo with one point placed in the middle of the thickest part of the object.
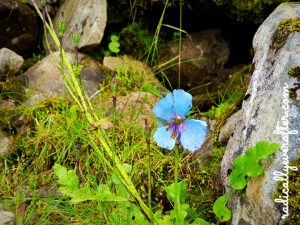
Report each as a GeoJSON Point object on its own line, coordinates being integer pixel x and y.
{"type": "Point", "coordinates": [87, 17]}
{"type": "Point", "coordinates": [45, 80]}
{"type": "Point", "coordinates": [203, 56]}
{"type": "Point", "coordinates": [229, 127]}
{"type": "Point", "coordinates": [10, 62]}
{"type": "Point", "coordinates": [5, 144]}
{"type": "Point", "coordinates": [7, 218]}
{"type": "Point", "coordinates": [19, 27]}
{"type": "Point", "coordinates": [267, 101]}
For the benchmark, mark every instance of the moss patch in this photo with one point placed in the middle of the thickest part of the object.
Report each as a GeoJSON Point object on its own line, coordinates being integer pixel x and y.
{"type": "Point", "coordinates": [204, 193]}
{"type": "Point", "coordinates": [294, 194]}
{"type": "Point", "coordinates": [285, 27]}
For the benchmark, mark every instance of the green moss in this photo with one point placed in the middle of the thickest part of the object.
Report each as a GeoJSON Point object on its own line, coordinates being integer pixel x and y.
{"type": "Point", "coordinates": [294, 194]}
{"type": "Point", "coordinates": [135, 40]}
{"type": "Point", "coordinates": [249, 11]}
{"type": "Point", "coordinates": [32, 60]}
{"type": "Point", "coordinates": [293, 93]}
{"type": "Point", "coordinates": [203, 192]}
{"type": "Point", "coordinates": [294, 72]}
{"type": "Point", "coordinates": [285, 27]}
{"type": "Point", "coordinates": [13, 88]}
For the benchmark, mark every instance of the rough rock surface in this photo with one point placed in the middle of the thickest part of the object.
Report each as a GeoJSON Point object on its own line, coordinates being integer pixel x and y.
{"type": "Point", "coordinates": [5, 144]}
{"type": "Point", "coordinates": [18, 27]}
{"type": "Point", "coordinates": [87, 17]}
{"type": "Point", "coordinates": [229, 127]}
{"type": "Point", "coordinates": [6, 218]}
{"type": "Point", "coordinates": [203, 56]}
{"type": "Point", "coordinates": [45, 81]}
{"type": "Point", "coordinates": [10, 62]}
{"type": "Point", "coordinates": [273, 97]}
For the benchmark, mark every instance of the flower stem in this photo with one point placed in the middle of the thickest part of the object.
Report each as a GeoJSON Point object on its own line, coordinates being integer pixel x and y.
{"type": "Point", "coordinates": [148, 134]}
{"type": "Point", "coordinates": [177, 188]}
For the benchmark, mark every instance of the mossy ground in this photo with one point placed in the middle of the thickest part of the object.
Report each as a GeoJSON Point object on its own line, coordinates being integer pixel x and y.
{"type": "Point", "coordinates": [29, 188]}
{"type": "Point", "coordinates": [54, 132]}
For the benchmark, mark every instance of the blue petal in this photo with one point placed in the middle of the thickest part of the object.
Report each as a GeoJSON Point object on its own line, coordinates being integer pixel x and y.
{"type": "Point", "coordinates": [182, 102]}
{"type": "Point", "coordinates": [177, 103]}
{"type": "Point", "coordinates": [164, 108]}
{"type": "Point", "coordinates": [193, 135]}
{"type": "Point", "coordinates": [162, 137]}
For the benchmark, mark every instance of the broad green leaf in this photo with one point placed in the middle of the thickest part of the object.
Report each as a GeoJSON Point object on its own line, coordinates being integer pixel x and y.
{"type": "Point", "coordinates": [220, 209]}
{"type": "Point", "coordinates": [249, 163]}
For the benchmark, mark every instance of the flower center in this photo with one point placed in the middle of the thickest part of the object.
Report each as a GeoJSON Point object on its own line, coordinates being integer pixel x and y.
{"type": "Point", "coordinates": [175, 126]}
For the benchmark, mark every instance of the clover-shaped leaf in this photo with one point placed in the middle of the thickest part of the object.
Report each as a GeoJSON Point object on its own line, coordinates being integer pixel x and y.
{"type": "Point", "coordinates": [114, 38]}
{"type": "Point", "coordinates": [114, 47]}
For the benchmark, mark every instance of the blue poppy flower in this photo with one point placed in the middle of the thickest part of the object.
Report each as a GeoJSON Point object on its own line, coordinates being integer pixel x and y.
{"type": "Point", "coordinates": [173, 126]}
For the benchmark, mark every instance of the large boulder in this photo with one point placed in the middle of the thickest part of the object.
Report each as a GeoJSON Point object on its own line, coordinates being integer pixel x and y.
{"type": "Point", "coordinates": [45, 80]}
{"type": "Point", "coordinates": [87, 17]}
{"type": "Point", "coordinates": [203, 56]}
{"type": "Point", "coordinates": [10, 62]}
{"type": "Point", "coordinates": [19, 27]}
{"type": "Point", "coordinates": [271, 102]}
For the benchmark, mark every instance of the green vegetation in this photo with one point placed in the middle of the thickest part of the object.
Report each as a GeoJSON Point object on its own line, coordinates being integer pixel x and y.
{"type": "Point", "coordinates": [285, 27]}
{"type": "Point", "coordinates": [82, 161]}
{"type": "Point", "coordinates": [135, 40]}
{"type": "Point", "coordinates": [294, 194]}
{"type": "Point", "coordinates": [220, 209]}
{"type": "Point", "coordinates": [251, 11]}
{"type": "Point", "coordinates": [248, 164]}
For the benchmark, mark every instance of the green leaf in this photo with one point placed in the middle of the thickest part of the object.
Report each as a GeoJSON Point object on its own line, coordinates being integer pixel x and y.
{"type": "Point", "coordinates": [127, 167]}
{"type": "Point", "coordinates": [249, 163]}
{"type": "Point", "coordinates": [114, 38]}
{"type": "Point", "coordinates": [66, 178]}
{"type": "Point", "coordinates": [171, 192]}
{"type": "Point", "coordinates": [220, 209]}
{"type": "Point", "coordinates": [114, 47]}
{"type": "Point", "coordinates": [200, 221]}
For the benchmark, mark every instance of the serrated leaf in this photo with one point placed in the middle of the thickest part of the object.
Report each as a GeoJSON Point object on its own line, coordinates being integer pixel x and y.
{"type": "Point", "coordinates": [220, 209]}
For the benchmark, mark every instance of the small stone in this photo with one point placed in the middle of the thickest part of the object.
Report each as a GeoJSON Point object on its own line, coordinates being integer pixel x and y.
{"type": "Point", "coordinates": [10, 62]}
{"type": "Point", "coordinates": [6, 218]}
{"type": "Point", "coordinates": [5, 144]}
